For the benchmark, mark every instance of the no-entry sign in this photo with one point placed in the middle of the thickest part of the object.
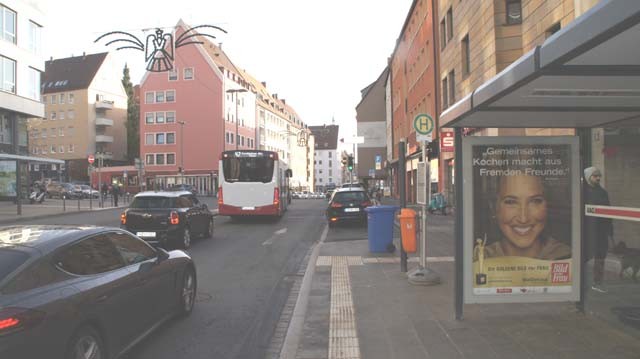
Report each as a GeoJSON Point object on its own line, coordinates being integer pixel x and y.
{"type": "Point", "coordinates": [91, 159]}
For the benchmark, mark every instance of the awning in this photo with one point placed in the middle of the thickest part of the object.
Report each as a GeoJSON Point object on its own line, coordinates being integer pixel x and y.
{"type": "Point", "coordinates": [585, 75]}
{"type": "Point", "coordinates": [6, 156]}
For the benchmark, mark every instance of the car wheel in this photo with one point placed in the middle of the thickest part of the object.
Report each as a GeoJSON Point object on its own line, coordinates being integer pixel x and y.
{"type": "Point", "coordinates": [209, 233]}
{"type": "Point", "coordinates": [188, 292]}
{"type": "Point", "coordinates": [86, 344]}
{"type": "Point", "coordinates": [186, 239]}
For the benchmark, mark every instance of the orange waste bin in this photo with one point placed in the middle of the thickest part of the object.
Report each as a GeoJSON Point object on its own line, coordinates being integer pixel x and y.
{"type": "Point", "coordinates": [407, 218]}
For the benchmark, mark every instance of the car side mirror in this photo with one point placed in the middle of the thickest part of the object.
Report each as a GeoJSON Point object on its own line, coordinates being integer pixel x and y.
{"type": "Point", "coordinates": [163, 255]}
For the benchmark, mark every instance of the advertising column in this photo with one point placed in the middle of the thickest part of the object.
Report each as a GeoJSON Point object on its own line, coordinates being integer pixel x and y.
{"type": "Point", "coordinates": [521, 224]}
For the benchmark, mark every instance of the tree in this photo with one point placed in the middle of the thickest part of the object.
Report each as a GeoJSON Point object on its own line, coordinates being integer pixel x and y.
{"type": "Point", "coordinates": [133, 117]}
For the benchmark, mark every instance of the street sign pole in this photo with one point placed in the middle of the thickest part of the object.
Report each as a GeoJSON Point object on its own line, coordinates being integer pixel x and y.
{"type": "Point", "coordinates": [424, 125]}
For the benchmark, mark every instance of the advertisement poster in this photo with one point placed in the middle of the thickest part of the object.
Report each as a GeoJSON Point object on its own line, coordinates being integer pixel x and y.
{"type": "Point", "coordinates": [522, 231]}
{"type": "Point", "coordinates": [8, 178]}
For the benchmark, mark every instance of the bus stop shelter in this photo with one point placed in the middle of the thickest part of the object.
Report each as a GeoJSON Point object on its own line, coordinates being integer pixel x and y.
{"type": "Point", "coordinates": [585, 76]}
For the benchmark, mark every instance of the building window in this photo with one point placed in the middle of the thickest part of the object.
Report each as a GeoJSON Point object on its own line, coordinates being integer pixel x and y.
{"type": "Point", "coordinates": [160, 158]}
{"type": "Point", "coordinates": [61, 132]}
{"type": "Point", "coordinates": [71, 131]}
{"type": "Point", "coordinates": [466, 58]}
{"type": "Point", "coordinates": [61, 149]}
{"type": "Point", "coordinates": [171, 117]}
{"type": "Point", "coordinates": [54, 99]}
{"type": "Point", "coordinates": [171, 158]}
{"type": "Point", "coordinates": [449, 24]}
{"type": "Point", "coordinates": [8, 75]}
{"type": "Point", "coordinates": [150, 159]}
{"type": "Point", "coordinates": [34, 84]}
{"type": "Point", "coordinates": [71, 114]}
{"type": "Point", "coordinates": [71, 148]}
{"type": "Point", "coordinates": [35, 37]}
{"type": "Point", "coordinates": [171, 138]}
{"type": "Point", "coordinates": [148, 139]}
{"type": "Point", "coordinates": [159, 138]}
{"type": "Point", "coordinates": [61, 116]}
{"type": "Point", "coordinates": [44, 100]}
{"type": "Point", "coordinates": [452, 87]}
{"type": "Point", "coordinates": [53, 115]}
{"type": "Point", "coordinates": [52, 149]}
{"type": "Point", "coordinates": [188, 73]}
{"type": "Point", "coordinates": [6, 130]}
{"type": "Point", "coordinates": [171, 95]}
{"type": "Point", "coordinates": [159, 96]}
{"type": "Point", "coordinates": [159, 117]}
{"type": "Point", "coordinates": [61, 98]}
{"type": "Point", "coordinates": [445, 94]}
{"type": "Point", "coordinates": [173, 75]}
{"type": "Point", "coordinates": [149, 97]}
{"type": "Point", "coordinates": [8, 24]}
{"type": "Point", "coordinates": [71, 98]}
{"type": "Point", "coordinates": [149, 117]}
{"type": "Point", "coordinates": [552, 30]}
{"type": "Point", "coordinates": [52, 133]}
{"type": "Point", "coordinates": [443, 34]}
{"type": "Point", "coordinates": [514, 12]}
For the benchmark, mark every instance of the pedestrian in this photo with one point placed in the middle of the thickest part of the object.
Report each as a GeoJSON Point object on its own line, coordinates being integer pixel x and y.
{"type": "Point", "coordinates": [597, 230]}
{"type": "Point", "coordinates": [115, 191]}
{"type": "Point", "coordinates": [105, 190]}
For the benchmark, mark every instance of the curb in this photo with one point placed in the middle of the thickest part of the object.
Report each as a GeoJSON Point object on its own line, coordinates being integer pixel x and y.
{"type": "Point", "coordinates": [294, 332]}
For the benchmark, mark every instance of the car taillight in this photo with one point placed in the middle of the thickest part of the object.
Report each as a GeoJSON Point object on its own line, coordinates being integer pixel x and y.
{"type": "Point", "coordinates": [336, 205]}
{"type": "Point", "coordinates": [220, 200]}
{"type": "Point", "coordinates": [276, 196]}
{"type": "Point", "coordinates": [123, 218]}
{"type": "Point", "coordinates": [16, 319]}
{"type": "Point", "coordinates": [174, 217]}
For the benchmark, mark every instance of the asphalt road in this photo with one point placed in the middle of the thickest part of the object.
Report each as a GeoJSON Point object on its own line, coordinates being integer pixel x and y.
{"type": "Point", "coordinates": [245, 275]}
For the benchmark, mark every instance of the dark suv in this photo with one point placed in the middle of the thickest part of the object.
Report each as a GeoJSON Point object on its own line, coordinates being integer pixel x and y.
{"type": "Point", "coordinates": [168, 218]}
{"type": "Point", "coordinates": [348, 204]}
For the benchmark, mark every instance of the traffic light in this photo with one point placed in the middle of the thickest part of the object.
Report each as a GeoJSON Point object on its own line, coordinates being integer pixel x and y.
{"type": "Point", "coordinates": [344, 161]}
{"type": "Point", "coordinates": [350, 163]}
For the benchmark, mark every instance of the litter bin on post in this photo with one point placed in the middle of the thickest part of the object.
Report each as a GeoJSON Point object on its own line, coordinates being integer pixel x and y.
{"type": "Point", "coordinates": [407, 219]}
{"type": "Point", "coordinates": [380, 228]}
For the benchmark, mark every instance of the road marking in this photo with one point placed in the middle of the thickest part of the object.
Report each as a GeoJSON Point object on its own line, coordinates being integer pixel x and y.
{"type": "Point", "coordinates": [269, 241]}
{"type": "Point", "coordinates": [343, 336]}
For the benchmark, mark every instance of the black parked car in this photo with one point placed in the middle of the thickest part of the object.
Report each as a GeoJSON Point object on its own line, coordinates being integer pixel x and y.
{"type": "Point", "coordinates": [348, 204]}
{"type": "Point", "coordinates": [168, 218]}
{"type": "Point", "coordinates": [85, 292]}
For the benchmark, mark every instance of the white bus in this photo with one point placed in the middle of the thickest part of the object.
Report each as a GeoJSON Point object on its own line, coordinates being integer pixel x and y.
{"type": "Point", "coordinates": [253, 183]}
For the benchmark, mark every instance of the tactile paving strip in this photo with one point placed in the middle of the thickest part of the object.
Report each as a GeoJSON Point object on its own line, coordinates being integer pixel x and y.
{"type": "Point", "coordinates": [343, 336]}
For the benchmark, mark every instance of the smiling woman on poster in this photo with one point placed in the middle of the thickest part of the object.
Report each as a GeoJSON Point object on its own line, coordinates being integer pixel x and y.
{"type": "Point", "coordinates": [521, 213]}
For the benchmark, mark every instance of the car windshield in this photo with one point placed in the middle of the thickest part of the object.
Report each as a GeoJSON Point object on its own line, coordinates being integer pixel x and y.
{"type": "Point", "coordinates": [355, 196]}
{"type": "Point", "coordinates": [10, 259]}
{"type": "Point", "coordinates": [153, 202]}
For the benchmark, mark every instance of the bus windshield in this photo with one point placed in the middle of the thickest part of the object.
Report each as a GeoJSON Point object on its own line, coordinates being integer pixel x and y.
{"type": "Point", "coordinates": [248, 169]}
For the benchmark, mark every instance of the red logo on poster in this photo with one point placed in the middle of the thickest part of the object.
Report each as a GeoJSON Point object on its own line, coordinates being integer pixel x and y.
{"type": "Point", "coordinates": [504, 290]}
{"type": "Point", "coordinates": [559, 272]}
{"type": "Point", "coordinates": [446, 142]}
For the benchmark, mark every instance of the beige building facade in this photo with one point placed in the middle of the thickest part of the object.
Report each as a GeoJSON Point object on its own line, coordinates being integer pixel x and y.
{"type": "Point", "coordinates": [85, 114]}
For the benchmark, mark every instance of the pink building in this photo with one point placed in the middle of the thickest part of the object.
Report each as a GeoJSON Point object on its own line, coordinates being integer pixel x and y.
{"type": "Point", "coordinates": [182, 120]}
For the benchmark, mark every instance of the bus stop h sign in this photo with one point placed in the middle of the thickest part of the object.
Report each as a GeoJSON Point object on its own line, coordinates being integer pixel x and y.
{"type": "Point", "coordinates": [424, 125]}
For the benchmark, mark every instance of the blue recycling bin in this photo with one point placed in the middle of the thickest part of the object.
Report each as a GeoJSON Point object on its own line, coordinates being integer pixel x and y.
{"type": "Point", "coordinates": [380, 227]}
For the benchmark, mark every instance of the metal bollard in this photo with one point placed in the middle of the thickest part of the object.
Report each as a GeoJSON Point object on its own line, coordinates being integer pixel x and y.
{"type": "Point", "coordinates": [64, 203]}
{"type": "Point", "coordinates": [78, 203]}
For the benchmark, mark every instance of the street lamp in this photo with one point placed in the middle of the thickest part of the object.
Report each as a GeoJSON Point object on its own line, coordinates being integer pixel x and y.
{"type": "Point", "coordinates": [236, 91]}
{"type": "Point", "coordinates": [182, 123]}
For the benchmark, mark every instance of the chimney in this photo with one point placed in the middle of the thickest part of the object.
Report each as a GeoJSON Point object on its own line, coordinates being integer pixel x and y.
{"type": "Point", "coordinates": [275, 95]}
{"type": "Point", "coordinates": [264, 83]}
{"type": "Point", "coordinates": [283, 101]}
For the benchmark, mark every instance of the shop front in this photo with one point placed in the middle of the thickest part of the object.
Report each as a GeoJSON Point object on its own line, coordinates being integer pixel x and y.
{"type": "Point", "coordinates": [582, 87]}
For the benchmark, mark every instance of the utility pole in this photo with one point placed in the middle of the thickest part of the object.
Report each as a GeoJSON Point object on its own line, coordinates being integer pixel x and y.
{"type": "Point", "coordinates": [182, 123]}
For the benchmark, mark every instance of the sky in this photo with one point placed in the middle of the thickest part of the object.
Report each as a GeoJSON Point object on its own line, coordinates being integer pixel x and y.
{"type": "Point", "coordinates": [318, 55]}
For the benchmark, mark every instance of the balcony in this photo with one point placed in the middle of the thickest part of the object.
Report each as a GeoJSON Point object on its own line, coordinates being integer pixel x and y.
{"type": "Point", "coordinates": [102, 121]}
{"type": "Point", "coordinates": [104, 105]}
{"type": "Point", "coordinates": [104, 139]}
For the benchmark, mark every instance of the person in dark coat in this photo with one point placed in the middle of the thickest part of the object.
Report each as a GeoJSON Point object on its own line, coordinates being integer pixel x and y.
{"type": "Point", "coordinates": [115, 191]}
{"type": "Point", "coordinates": [597, 230]}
